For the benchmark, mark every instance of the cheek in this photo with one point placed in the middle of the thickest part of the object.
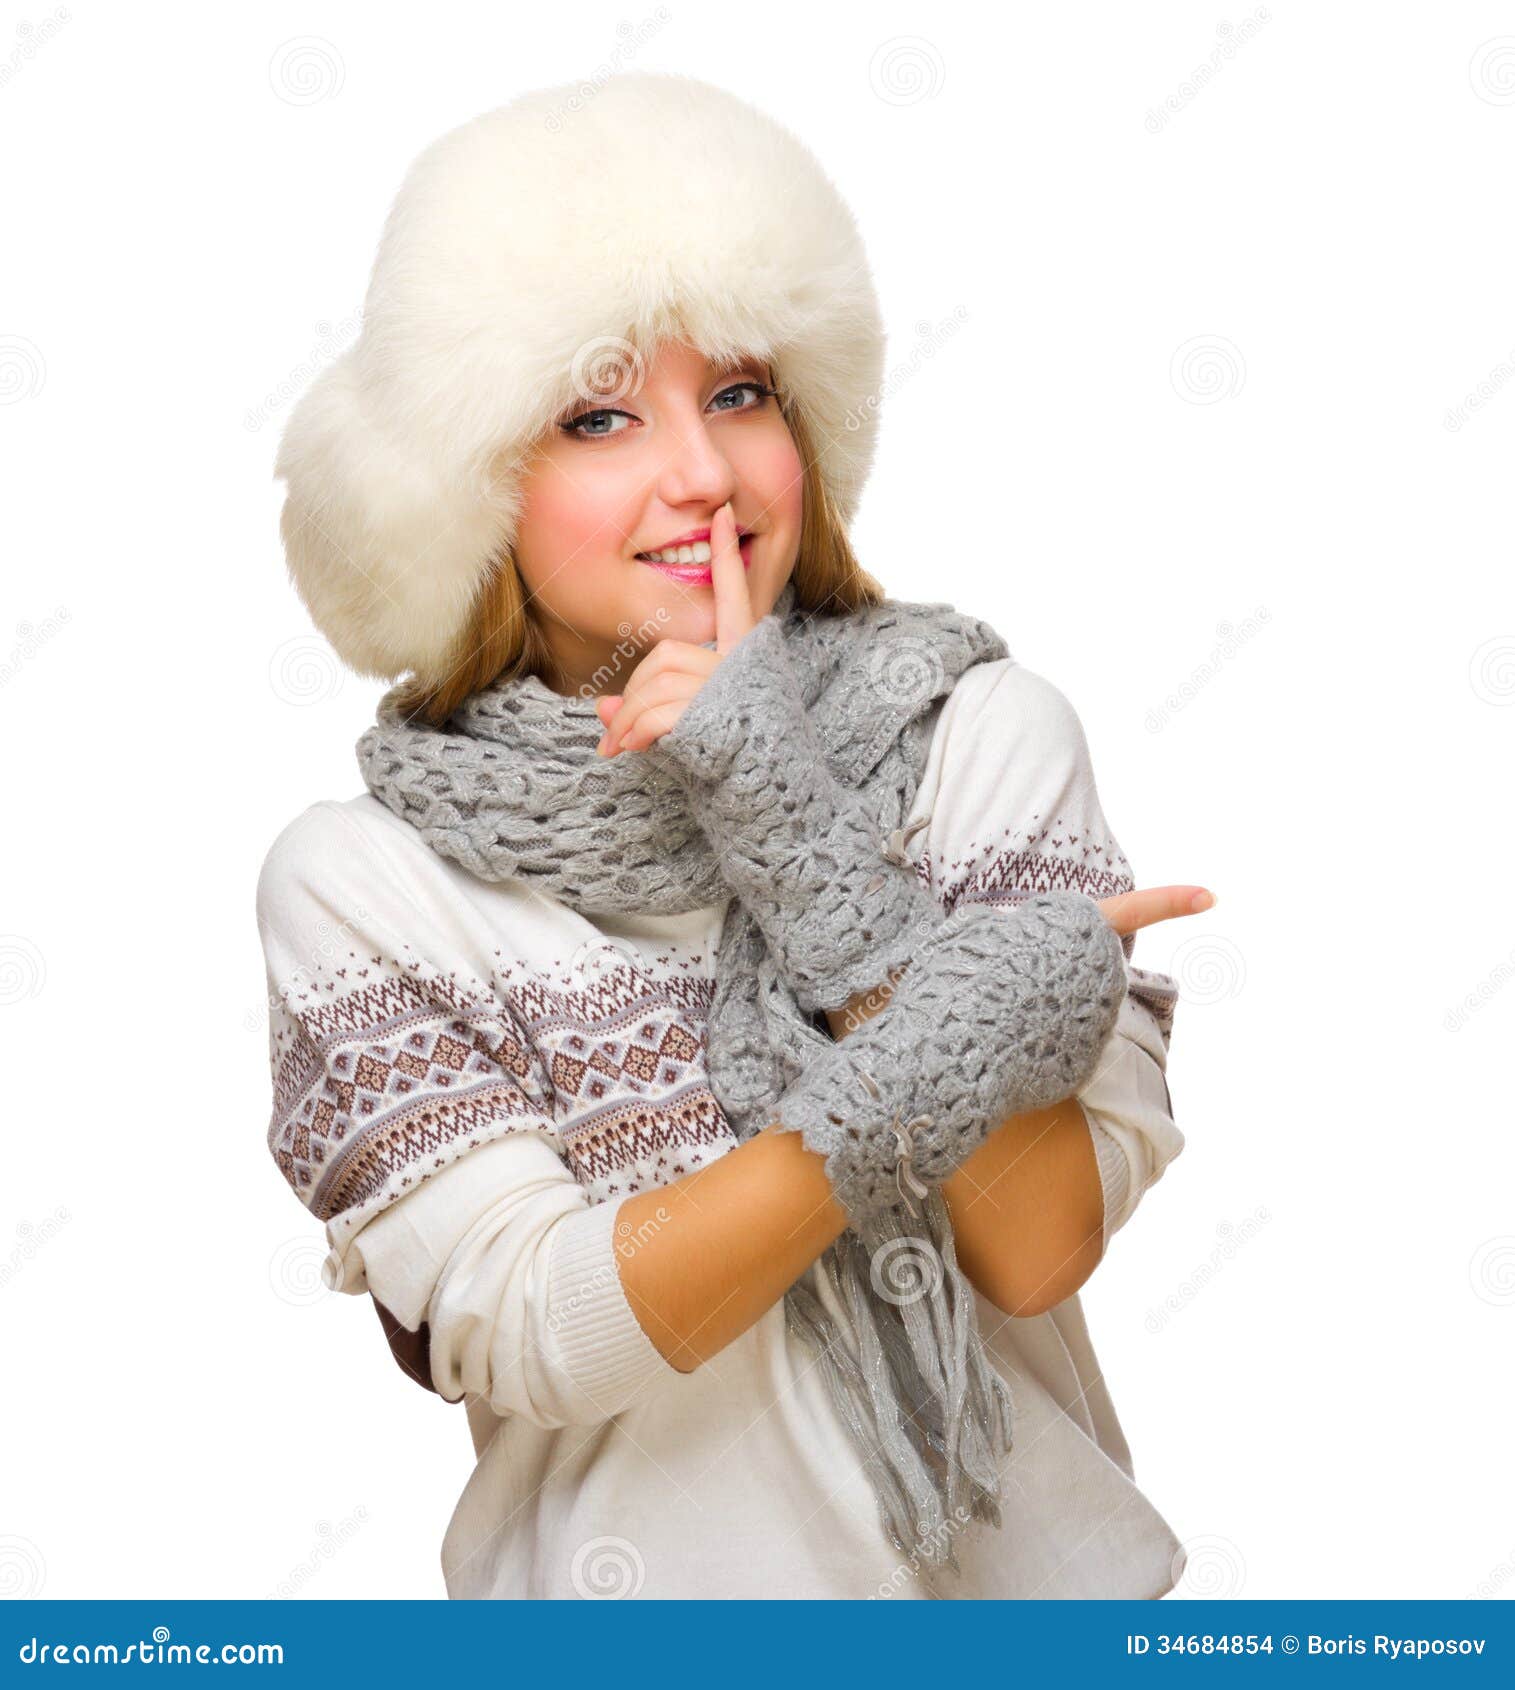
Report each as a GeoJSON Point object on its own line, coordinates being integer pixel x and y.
{"type": "Point", "coordinates": [773, 472]}
{"type": "Point", "coordinates": [567, 519]}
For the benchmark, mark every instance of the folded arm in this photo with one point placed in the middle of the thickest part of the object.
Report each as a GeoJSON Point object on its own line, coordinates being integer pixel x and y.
{"type": "Point", "coordinates": [1026, 1206]}
{"type": "Point", "coordinates": [1036, 1204]}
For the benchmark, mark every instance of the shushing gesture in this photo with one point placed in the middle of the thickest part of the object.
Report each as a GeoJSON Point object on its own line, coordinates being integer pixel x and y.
{"type": "Point", "coordinates": [663, 683]}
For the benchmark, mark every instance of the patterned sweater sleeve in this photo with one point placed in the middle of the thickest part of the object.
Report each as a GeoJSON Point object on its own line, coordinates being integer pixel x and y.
{"type": "Point", "coordinates": [1017, 812]}
{"type": "Point", "coordinates": [411, 1114]}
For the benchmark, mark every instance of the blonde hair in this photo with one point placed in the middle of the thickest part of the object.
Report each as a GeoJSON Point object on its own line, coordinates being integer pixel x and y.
{"type": "Point", "coordinates": [502, 639]}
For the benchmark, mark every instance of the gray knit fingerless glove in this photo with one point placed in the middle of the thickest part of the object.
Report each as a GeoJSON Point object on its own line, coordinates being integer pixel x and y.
{"type": "Point", "coordinates": [838, 905]}
{"type": "Point", "coordinates": [1000, 1011]}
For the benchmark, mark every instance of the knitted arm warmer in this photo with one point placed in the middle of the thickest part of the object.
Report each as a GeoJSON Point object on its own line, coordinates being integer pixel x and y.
{"type": "Point", "coordinates": [999, 1012]}
{"type": "Point", "coordinates": [838, 905]}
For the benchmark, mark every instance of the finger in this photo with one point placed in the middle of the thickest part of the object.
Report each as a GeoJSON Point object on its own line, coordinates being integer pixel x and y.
{"type": "Point", "coordinates": [677, 655]}
{"type": "Point", "coordinates": [673, 654]}
{"type": "Point", "coordinates": [728, 574]}
{"type": "Point", "coordinates": [671, 657]}
{"type": "Point", "coordinates": [663, 690]}
{"type": "Point", "coordinates": [1132, 910]}
{"type": "Point", "coordinates": [1129, 911]}
{"type": "Point", "coordinates": [666, 655]}
{"type": "Point", "coordinates": [612, 708]}
{"type": "Point", "coordinates": [653, 723]}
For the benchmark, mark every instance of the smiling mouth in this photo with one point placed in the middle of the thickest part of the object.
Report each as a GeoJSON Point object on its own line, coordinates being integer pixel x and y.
{"type": "Point", "coordinates": [692, 562]}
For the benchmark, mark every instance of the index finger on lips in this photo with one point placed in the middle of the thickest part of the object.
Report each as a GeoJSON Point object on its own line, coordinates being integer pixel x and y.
{"type": "Point", "coordinates": [728, 575]}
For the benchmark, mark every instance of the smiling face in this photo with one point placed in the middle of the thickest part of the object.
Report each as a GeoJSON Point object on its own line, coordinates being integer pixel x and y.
{"type": "Point", "coordinates": [616, 478]}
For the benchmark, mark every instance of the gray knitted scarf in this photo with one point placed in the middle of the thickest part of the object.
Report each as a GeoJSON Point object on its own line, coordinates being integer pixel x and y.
{"type": "Point", "coordinates": [511, 787]}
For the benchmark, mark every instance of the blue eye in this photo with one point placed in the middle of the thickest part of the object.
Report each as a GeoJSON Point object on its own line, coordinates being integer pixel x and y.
{"type": "Point", "coordinates": [755, 386]}
{"type": "Point", "coordinates": [574, 426]}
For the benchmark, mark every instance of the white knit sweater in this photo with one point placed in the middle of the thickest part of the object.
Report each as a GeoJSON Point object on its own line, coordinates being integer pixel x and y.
{"type": "Point", "coordinates": [469, 1080]}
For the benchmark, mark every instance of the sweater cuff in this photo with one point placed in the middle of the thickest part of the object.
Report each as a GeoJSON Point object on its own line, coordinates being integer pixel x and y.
{"type": "Point", "coordinates": [600, 1341]}
{"type": "Point", "coordinates": [1114, 1174]}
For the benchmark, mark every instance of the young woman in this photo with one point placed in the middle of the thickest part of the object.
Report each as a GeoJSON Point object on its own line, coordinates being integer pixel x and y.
{"type": "Point", "coordinates": [711, 1037]}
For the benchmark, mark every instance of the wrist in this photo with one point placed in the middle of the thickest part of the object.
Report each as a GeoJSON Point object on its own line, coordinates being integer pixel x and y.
{"type": "Point", "coordinates": [1000, 1013]}
{"type": "Point", "coordinates": [751, 694]}
{"type": "Point", "coordinates": [837, 898]}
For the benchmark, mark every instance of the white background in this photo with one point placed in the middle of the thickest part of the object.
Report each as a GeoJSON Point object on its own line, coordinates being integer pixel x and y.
{"type": "Point", "coordinates": [1221, 444]}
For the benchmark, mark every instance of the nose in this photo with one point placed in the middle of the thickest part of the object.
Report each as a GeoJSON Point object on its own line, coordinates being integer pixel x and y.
{"type": "Point", "coordinates": [693, 469]}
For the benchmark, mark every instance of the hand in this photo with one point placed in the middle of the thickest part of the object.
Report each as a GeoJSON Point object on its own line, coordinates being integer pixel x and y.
{"type": "Point", "coordinates": [663, 683]}
{"type": "Point", "coordinates": [1131, 910]}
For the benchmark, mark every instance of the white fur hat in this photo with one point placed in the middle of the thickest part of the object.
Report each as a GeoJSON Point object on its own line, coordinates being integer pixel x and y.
{"type": "Point", "coordinates": [534, 258]}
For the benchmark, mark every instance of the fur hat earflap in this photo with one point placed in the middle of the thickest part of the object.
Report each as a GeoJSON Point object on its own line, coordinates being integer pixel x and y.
{"type": "Point", "coordinates": [534, 258]}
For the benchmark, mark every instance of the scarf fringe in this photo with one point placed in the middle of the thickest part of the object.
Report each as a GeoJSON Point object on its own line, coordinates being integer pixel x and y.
{"type": "Point", "coordinates": [931, 1414]}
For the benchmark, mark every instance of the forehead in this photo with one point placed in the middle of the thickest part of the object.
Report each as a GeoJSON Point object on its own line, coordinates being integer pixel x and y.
{"type": "Point", "coordinates": [615, 368]}
{"type": "Point", "coordinates": [676, 361]}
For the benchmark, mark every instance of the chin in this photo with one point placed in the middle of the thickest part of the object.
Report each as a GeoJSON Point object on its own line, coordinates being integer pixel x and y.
{"type": "Point", "coordinates": [690, 621]}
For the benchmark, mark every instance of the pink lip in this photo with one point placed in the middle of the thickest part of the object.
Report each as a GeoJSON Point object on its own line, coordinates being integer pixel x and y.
{"type": "Point", "coordinates": [693, 573]}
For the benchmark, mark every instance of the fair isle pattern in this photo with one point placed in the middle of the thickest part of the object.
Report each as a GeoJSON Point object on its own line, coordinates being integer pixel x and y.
{"type": "Point", "coordinates": [1056, 856]}
{"type": "Point", "coordinates": [383, 1075]}
{"type": "Point", "coordinates": [377, 1085]}
{"type": "Point", "coordinates": [624, 1053]}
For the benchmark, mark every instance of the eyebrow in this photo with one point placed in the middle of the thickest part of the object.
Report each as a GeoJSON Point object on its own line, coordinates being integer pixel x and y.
{"type": "Point", "coordinates": [752, 362]}
{"type": "Point", "coordinates": [761, 367]}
